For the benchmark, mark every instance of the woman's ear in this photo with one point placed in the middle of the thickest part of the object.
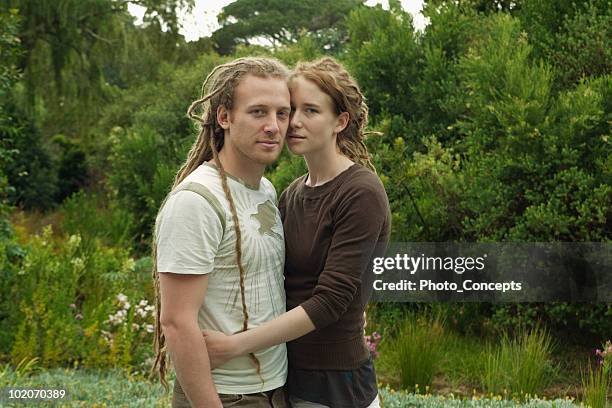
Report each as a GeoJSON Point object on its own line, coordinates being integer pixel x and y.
{"type": "Point", "coordinates": [342, 122]}
{"type": "Point", "coordinates": [223, 118]}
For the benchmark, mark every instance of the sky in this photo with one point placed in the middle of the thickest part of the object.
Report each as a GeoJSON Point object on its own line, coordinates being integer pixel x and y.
{"type": "Point", "coordinates": [202, 21]}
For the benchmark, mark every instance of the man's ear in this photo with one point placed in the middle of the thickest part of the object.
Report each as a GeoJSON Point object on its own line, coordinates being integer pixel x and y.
{"type": "Point", "coordinates": [223, 118]}
{"type": "Point", "coordinates": [342, 122]}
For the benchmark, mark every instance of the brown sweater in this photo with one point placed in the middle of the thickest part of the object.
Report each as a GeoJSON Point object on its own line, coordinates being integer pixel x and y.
{"type": "Point", "coordinates": [331, 232]}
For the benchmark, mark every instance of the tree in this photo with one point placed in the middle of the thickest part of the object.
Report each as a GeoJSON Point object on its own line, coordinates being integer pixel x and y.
{"type": "Point", "coordinates": [67, 42]}
{"type": "Point", "coordinates": [278, 22]}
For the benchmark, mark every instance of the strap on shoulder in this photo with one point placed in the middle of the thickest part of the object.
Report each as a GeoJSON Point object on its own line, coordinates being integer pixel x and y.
{"type": "Point", "coordinates": [206, 194]}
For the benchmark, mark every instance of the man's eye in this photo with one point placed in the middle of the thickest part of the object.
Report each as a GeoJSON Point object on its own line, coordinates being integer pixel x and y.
{"type": "Point", "coordinates": [258, 112]}
{"type": "Point", "coordinates": [283, 114]}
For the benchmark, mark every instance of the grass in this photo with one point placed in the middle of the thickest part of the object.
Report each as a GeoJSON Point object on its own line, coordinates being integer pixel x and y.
{"type": "Point", "coordinates": [98, 389]}
{"type": "Point", "coordinates": [89, 388]}
{"type": "Point", "coordinates": [518, 365]}
{"type": "Point", "coordinates": [418, 349]}
{"type": "Point", "coordinates": [400, 399]}
{"type": "Point", "coordinates": [595, 383]}
{"type": "Point", "coordinates": [469, 364]}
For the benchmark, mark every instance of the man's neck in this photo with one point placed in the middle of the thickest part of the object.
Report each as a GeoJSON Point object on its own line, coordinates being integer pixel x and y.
{"type": "Point", "coordinates": [241, 167]}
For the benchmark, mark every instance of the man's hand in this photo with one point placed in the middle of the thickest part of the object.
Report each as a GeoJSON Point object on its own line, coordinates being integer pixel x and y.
{"type": "Point", "coordinates": [221, 347]}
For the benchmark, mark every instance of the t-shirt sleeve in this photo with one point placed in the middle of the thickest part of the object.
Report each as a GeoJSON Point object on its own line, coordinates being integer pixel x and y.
{"type": "Point", "coordinates": [189, 232]}
{"type": "Point", "coordinates": [360, 217]}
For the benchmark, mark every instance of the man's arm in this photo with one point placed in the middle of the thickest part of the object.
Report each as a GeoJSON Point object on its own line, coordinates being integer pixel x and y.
{"type": "Point", "coordinates": [181, 298]}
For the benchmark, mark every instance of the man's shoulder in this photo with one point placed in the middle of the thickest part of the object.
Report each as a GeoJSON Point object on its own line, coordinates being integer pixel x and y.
{"type": "Point", "coordinates": [204, 175]}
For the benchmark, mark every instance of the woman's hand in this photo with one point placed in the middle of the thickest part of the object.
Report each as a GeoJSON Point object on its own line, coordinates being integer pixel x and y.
{"type": "Point", "coordinates": [221, 347]}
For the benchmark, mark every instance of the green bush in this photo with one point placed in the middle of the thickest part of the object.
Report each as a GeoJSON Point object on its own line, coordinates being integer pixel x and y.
{"type": "Point", "coordinates": [142, 171]}
{"type": "Point", "coordinates": [94, 219]}
{"type": "Point", "coordinates": [63, 296]}
{"type": "Point", "coordinates": [31, 168]}
{"type": "Point", "coordinates": [383, 56]}
{"type": "Point", "coordinates": [72, 172]}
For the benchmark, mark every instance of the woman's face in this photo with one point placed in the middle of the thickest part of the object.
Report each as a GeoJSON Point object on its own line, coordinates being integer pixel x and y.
{"type": "Point", "coordinates": [314, 123]}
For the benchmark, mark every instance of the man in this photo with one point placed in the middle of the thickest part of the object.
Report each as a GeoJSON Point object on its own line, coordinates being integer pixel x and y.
{"type": "Point", "coordinates": [219, 246]}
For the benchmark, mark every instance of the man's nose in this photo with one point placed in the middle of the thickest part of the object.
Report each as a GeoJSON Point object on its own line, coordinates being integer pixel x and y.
{"type": "Point", "coordinates": [272, 125]}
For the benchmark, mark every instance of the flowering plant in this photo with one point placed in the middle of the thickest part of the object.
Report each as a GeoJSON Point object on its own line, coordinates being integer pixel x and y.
{"type": "Point", "coordinates": [605, 355]}
{"type": "Point", "coordinates": [128, 328]}
{"type": "Point", "coordinates": [372, 343]}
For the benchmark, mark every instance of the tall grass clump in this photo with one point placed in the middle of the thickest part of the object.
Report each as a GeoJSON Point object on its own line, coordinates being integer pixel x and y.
{"type": "Point", "coordinates": [520, 364]}
{"type": "Point", "coordinates": [418, 348]}
{"type": "Point", "coordinates": [597, 381]}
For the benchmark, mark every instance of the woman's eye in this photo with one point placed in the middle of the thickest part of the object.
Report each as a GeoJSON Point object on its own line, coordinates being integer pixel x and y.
{"type": "Point", "coordinates": [311, 110]}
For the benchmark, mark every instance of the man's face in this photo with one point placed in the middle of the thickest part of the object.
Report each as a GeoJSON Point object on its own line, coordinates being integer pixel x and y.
{"type": "Point", "coordinates": [256, 126]}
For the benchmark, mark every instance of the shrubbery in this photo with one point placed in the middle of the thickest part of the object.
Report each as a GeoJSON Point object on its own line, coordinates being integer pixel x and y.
{"type": "Point", "coordinates": [61, 299]}
{"type": "Point", "coordinates": [495, 128]}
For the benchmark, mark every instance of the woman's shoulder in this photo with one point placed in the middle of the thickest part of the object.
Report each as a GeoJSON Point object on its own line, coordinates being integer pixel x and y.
{"type": "Point", "coordinates": [293, 188]}
{"type": "Point", "coordinates": [295, 185]}
{"type": "Point", "coordinates": [362, 179]}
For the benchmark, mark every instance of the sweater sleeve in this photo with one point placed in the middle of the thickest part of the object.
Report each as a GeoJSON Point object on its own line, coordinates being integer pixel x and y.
{"type": "Point", "coordinates": [360, 216]}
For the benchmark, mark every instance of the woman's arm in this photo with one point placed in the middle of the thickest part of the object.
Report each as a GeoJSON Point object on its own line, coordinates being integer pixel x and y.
{"type": "Point", "coordinates": [359, 220]}
{"type": "Point", "coordinates": [286, 327]}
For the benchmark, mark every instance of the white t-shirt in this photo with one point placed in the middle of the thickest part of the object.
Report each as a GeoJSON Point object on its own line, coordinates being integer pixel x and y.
{"type": "Point", "coordinates": [195, 235]}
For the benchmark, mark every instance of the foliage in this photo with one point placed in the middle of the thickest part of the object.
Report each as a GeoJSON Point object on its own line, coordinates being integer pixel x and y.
{"type": "Point", "coordinates": [520, 364]}
{"type": "Point", "coordinates": [9, 75]}
{"type": "Point", "coordinates": [569, 35]}
{"type": "Point", "coordinates": [31, 169]}
{"type": "Point", "coordinates": [596, 381]}
{"type": "Point", "coordinates": [97, 220]}
{"type": "Point", "coordinates": [148, 137]}
{"type": "Point", "coordinates": [118, 388]}
{"type": "Point", "coordinates": [281, 22]}
{"type": "Point", "coordinates": [495, 125]}
{"type": "Point", "coordinates": [72, 172]}
{"type": "Point", "coordinates": [141, 176]}
{"type": "Point", "coordinates": [75, 38]}
{"type": "Point", "coordinates": [595, 385]}
{"type": "Point", "coordinates": [581, 48]}
{"type": "Point", "coordinates": [86, 388]}
{"type": "Point", "coordinates": [401, 399]}
{"type": "Point", "coordinates": [64, 290]}
{"type": "Point", "coordinates": [10, 51]}
{"type": "Point", "coordinates": [383, 57]}
{"type": "Point", "coordinates": [418, 350]}
{"type": "Point", "coordinates": [288, 168]}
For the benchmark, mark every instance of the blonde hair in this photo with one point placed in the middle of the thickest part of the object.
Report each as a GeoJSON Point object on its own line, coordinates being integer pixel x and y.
{"type": "Point", "coordinates": [217, 90]}
{"type": "Point", "coordinates": [333, 79]}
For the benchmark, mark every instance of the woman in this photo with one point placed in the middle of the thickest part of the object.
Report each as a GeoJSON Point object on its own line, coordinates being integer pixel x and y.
{"type": "Point", "coordinates": [334, 218]}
